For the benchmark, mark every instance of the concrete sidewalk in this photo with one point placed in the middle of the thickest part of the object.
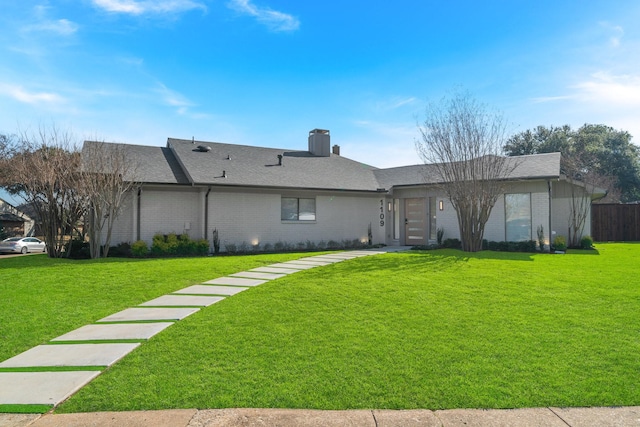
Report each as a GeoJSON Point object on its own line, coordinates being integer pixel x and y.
{"type": "Point", "coordinates": [552, 417]}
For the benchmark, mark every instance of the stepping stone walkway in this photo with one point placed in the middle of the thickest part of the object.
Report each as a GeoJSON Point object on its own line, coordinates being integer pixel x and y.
{"type": "Point", "coordinates": [81, 351]}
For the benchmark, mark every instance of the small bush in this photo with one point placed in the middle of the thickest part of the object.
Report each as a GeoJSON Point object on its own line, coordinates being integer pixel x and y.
{"type": "Point", "coordinates": [586, 242]}
{"type": "Point", "coordinates": [121, 250]}
{"type": "Point", "coordinates": [78, 249]}
{"type": "Point", "coordinates": [452, 244]}
{"type": "Point", "coordinates": [559, 243]}
{"type": "Point", "coordinates": [216, 241]}
{"type": "Point", "coordinates": [139, 249]}
{"type": "Point", "coordinates": [201, 247]}
{"type": "Point", "coordinates": [439, 235]}
{"type": "Point", "coordinates": [172, 244]}
{"type": "Point", "coordinates": [332, 244]}
{"type": "Point", "coordinates": [541, 237]}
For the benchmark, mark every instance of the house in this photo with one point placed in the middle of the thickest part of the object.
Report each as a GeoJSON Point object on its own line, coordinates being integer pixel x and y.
{"type": "Point", "coordinates": [15, 222]}
{"type": "Point", "coordinates": [258, 196]}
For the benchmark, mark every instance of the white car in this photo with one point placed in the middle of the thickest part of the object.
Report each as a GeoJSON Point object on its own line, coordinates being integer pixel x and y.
{"type": "Point", "coordinates": [22, 245]}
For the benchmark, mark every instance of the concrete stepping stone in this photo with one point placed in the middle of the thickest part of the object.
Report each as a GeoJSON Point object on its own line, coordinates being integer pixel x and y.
{"type": "Point", "coordinates": [293, 266]}
{"type": "Point", "coordinates": [70, 355]}
{"type": "Point", "coordinates": [41, 388]}
{"type": "Point", "coordinates": [319, 261]}
{"type": "Point", "coordinates": [127, 331]}
{"type": "Point", "coordinates": [134, 314]}
{"type": "Point", "coordinates": [309, 262]}
{"type": "Point", "coordinates": [256, 275]}
{"type": "Point", "coordinates": [211, 290]}
{"type": "Point", "coordinates": [328, 258]}
{"type": "Point", "coordinates": [337, 256]}
{"type": "Point", "coordinates": [181, 300]}
{"type": "Point", "coordinates": [235, 281]}
{"type": "Point", "coordinates": [367, 253]}
{"type": "Point", "coordinates": [276, 270]}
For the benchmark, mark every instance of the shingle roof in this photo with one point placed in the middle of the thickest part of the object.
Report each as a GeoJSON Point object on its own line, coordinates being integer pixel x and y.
{"type": "Point", "coordinates": [257, 166]}
{"type": "Point", "coordinates": [535, 166]}
{"type": "Point", "coordinates": [152, 164]}
{"type": "Point", "coordinates": [183, 162]}
{"type": "Point", "coordinates": [9, 217]}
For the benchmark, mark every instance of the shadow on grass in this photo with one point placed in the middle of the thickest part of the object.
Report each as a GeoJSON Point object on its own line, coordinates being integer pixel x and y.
{"type": "Point", "coordinates": [426, 261]}
{"type": "Point", "coordinates": [583, 252]}
{"type": "Point", "coordinates": [466, 256]}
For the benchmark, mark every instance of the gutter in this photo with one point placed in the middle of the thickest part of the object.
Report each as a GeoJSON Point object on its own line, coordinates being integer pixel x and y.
{"type": "Point", "coordinates": [206, 214]}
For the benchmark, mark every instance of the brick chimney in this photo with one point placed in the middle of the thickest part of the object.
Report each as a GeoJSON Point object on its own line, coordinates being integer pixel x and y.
{"type": "Point", "coordinates": [320, 143]}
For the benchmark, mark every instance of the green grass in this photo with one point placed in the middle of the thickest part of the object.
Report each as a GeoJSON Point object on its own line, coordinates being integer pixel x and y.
{"type": "Point", "coordinates": [43, 298]}
{"type": "Point", "coordinates": [436, 330]}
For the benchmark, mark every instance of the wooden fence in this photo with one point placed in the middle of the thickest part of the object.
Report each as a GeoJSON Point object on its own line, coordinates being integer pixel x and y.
{"type": "Point", "coordinates": [615, 222]}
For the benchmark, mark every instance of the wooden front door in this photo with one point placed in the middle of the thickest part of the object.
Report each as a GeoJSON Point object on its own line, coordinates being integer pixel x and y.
{"type": "Point", "coordinates": [415, 223]}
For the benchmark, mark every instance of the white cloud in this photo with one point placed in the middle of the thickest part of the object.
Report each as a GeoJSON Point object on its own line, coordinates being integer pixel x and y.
{"type": "Point", "coordinates": [180, 102]}
{"type": "Point", "coordinates": [394, 103]}
{"type": "Point", "coordinates": [20, 94]}
{"type": "Point", "coordinates": [136, 7]}
{"type": "Point", "coordinates": [62, 27]}
{"type": "Point", "coordinates": [277, 21]}
{"type": "Point", "coordinates": [606, 88]}
{"type": "Point", "coordinates": [616, 32]}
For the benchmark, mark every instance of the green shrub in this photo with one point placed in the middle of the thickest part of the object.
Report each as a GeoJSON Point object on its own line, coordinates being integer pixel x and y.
{"type": "Point", "coordinates": [586, 242]}
{"type": "Point", "coordinates": [541, 237]}
{"type": "Point", "coordinates": [452, 244]}
{"type": "Point", "coordinates": [216, 241]}
{"type": "Point", "coordinates": [139, 249]}
{"type": "Point", "coordinates": [201, 247]}
{"type": "Point", "coordinates": [122, 250]}
{"type": "Point", "coordinates": [182, 245]}
{"type": "Point", "coordinates": [559, 243]}
{"type": "Point", "coordinates": [78, 249]}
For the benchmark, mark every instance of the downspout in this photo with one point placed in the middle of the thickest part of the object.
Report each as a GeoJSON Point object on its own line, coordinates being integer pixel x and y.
{"type": "Point", "coordinates": [138, 213]}
{"type": "Point", "coordinates": [550, 211]}
{"type": "Point", "coordinates": [206, 214]}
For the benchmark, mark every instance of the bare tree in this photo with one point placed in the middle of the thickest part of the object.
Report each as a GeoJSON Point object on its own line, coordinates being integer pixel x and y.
{"type": "Point", "coordinates": [41, 168]}
{"type": "Point", "coordinates": [108, 176]}
{"type": "Point", "coordinates": [584, 181]}
{"type": "Point", "coordinates": [462, 140]}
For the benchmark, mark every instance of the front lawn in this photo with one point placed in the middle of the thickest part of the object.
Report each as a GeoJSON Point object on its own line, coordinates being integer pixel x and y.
{"type": "Point", "coordinates": [42, 298]}
{"type": "Point", "coordinates": [440, 329]}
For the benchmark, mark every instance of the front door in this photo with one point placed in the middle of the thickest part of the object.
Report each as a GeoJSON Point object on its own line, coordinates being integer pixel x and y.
{"type": "Point", "coordinates": [415, 223]}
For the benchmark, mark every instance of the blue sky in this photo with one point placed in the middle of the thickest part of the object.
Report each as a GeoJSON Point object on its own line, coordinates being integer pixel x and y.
{"type": "Point", "coordinates": [265, 72]}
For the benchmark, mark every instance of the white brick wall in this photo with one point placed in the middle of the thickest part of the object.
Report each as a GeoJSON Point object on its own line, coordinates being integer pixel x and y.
{"type": "Point", "coordinates": [252, 216]}
{"type": "Point", "coordinates": [165, 211]}
{"type": "Point", "coordinates": [255, 218]}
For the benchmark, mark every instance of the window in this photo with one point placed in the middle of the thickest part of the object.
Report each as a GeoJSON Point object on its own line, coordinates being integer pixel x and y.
{"type": "Point", "coordinates": [432, 218]}
{"type": "Point", "coordinates": [295, 209]}
{"type": "Point", "coordinates": [518, 217]}
{"type": "Point", "coordinates": [396, 218]}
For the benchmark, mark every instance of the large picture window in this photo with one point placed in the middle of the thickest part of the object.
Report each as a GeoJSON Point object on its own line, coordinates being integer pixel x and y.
{"type": "Point", "coordinates": [297, 209]}
{"type": "Point", "coordinates": [518, 217]}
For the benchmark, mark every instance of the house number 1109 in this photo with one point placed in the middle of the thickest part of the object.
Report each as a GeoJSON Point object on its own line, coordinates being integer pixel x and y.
{"type": "Point", "coordinates": [381, 213]}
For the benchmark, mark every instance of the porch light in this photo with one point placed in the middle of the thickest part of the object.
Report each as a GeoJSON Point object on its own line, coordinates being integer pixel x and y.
{"type": "Point", "coordinates": [389, 207]}
{"type": "Point", "coordinates": [441, 205]}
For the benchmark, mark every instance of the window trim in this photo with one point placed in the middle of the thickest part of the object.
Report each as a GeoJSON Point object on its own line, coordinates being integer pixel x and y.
{"type": "Point", "coordinates": [506, 217]}
{"type": "Point", "coordinates": [298, 220]}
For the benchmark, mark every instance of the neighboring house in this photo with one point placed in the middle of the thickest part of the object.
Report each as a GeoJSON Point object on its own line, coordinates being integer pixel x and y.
{"type": "Point", "coordinates": [14, 221]}
{"type": "Point", "coordinates": [256, 195]}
